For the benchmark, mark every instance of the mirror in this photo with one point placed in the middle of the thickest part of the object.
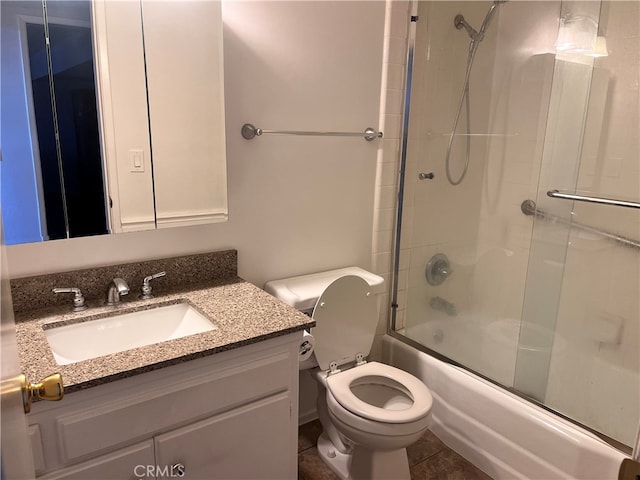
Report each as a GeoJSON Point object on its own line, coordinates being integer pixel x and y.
{"type": "Point", "coordinates": [111, 127]}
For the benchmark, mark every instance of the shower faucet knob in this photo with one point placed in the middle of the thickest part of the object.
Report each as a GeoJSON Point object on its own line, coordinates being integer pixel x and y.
{"type": "Point", "coordinates": [438, 269]}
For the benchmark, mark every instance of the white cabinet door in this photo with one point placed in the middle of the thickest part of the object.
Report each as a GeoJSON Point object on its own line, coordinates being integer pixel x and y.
{"type": "Point", "coordinates": [136, 461]}
{"type": "Point", "coordinates": [251, 442]}
{"type": "Point", "coordinates": [161, 92]}
{"type": "Point", "coordinates": [185, 82]}
{"type": "Point", "coordinates": [122, 96]}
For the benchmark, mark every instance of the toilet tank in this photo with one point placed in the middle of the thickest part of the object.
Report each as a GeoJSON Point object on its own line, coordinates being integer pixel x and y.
{"type": "Point", "coordinates": [303, 291]}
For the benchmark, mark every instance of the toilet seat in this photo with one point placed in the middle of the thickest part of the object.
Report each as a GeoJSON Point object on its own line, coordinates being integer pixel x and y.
{"type": "Point", "coordinates": [346, 316]}
{"type": "Point", "coordinates": [341, 385]}
{"type": "Point", "coordinates": [361, 430]}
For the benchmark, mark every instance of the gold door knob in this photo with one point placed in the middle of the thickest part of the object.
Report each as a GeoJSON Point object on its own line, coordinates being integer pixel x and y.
{"type": "Point", "coordinates": [49, 388]}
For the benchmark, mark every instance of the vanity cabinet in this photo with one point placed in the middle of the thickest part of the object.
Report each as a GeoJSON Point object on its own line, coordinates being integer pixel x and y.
{"type": "Point", "coordinates": [229, 415]}
{"type": "Point", "coordinates": [121, 464]}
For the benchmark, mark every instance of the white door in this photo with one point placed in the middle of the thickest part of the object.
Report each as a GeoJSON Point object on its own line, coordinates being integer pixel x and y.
{"type": "Point", "coordinates": [15, 450]}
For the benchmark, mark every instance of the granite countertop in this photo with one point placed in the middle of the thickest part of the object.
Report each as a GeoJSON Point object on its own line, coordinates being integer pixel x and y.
{"type": "Point", "coordinates": [243, 313]}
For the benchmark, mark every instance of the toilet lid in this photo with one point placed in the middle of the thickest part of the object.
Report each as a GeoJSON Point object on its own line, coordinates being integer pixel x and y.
{"type": "Point", "coordinates": [346, 316]}
{"type": "Point", "coordinates": [343, 387]}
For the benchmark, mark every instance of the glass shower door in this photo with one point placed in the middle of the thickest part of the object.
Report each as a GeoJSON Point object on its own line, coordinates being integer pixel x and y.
{"type": "Point", "coordinates": [465, 247]}
{"type": "Point", "coordinates": [538, 294]}
{"type": "Point", "coordinates": [579, 342]}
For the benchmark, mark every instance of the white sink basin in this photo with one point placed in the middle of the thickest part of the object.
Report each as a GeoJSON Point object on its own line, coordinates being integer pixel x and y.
{"type": "Point", "coordinates": [96, 338]}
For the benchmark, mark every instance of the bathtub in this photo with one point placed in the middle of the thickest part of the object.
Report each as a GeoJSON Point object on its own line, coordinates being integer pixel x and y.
{"type": "Point", "coordinates": [489, 344]}
{"type": "Point", "coordinates": [502, 434]}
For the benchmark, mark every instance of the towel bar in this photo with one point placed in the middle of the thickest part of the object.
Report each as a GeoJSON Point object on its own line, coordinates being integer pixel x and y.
{"type": "Point", "coordinates": [249, 131]}
{"type": "Point", "coordinates": [586, 198]}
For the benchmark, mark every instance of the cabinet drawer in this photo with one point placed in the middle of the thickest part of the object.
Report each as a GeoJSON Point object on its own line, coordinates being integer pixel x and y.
{"type": "Point", "coordinates": [127, 463]}
{"type": "Point", "coordinates": [245, 443]}
{"type": "Point", "coordinates": [116, 422]}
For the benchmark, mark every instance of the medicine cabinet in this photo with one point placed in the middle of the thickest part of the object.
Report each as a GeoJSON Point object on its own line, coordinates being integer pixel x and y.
{"type": "Point", "coordinates": [112, 117]}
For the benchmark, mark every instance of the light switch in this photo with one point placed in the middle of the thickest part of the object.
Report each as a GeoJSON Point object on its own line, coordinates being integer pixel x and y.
{"type": "Point", "coordinates": [136, 160]}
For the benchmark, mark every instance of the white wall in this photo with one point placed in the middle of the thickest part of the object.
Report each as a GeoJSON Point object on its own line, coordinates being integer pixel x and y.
{"type": "Point", "coordinates": [296, 204]}
{"type": "Point", "coordinates": [397, 17]}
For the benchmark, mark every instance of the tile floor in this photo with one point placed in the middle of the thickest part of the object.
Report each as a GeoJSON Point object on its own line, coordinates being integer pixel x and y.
{"type": "Point", "coordinates": [429, 459]}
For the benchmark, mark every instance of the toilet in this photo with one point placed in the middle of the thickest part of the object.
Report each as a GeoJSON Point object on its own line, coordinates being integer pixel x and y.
{"type": "Point", "coordinates": [370, 412]}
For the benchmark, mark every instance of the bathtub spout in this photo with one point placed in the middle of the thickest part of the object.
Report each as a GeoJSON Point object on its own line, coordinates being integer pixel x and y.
{"type": "Point", "coordinates": [439, 303]}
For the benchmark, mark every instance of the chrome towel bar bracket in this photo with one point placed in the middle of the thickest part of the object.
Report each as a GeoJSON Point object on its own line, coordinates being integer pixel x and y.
{"type": "Point", "coordinates": [586, 198]}
{"type": "Point", "coordinates": [249, 131]}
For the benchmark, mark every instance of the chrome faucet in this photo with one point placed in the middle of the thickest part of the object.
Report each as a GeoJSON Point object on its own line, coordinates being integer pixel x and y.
{"type": "Point", "coordinates": [116, 288]}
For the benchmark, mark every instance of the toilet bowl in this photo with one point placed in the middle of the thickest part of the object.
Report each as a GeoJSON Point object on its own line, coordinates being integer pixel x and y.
{"type": "Point", "coordinates": [370, 412]}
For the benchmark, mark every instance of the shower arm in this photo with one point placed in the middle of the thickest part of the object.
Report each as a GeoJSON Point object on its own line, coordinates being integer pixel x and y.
{"type": "Point", "coordinates": [461, 23]}
{"type": "Point", "coordinates": [477, 35]}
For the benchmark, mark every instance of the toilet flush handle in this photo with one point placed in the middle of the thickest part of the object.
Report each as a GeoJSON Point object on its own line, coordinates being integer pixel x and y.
{"type": "Point", "coordinates": [305, 347]}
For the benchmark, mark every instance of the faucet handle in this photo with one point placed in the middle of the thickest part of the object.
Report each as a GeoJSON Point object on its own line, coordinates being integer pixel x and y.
{"type": "Point", "coordinates": [146, 285]}
{"type": "Point", "coordinates": [78, 299]}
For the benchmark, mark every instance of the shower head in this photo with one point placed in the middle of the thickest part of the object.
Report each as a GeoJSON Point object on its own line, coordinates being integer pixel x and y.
{"type": "Point", "coordinates": [477, 35]}
{"type": "Point", "coordinates": [489, 16]}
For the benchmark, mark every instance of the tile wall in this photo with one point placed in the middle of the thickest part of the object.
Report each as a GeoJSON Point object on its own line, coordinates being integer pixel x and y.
{"type": "Point", "coordinates": [392, 91]}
